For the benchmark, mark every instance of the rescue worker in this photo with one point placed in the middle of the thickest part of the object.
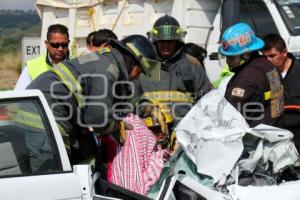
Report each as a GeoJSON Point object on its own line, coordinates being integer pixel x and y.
{"type": "Point", "coordinates": [182, 78]}
{"type": "Point", "coordinates": [100, 39]}
{"type": "Point", "coordinates": [83, 93]}
{"type": "Point", "coordinates": [57, 50]}
{"type": "Point", "coordinates": [89, 40]}
{"type": "Point", "coordinates": [276, 51]}
{"type": "Point", "coordinates": [255, 89]}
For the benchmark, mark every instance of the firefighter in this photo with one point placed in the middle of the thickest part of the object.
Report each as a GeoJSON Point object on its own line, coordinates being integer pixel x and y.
{"type": "Point", "coordinates": [57, 45]}
{"type": "Point", "coordinates": [182, 78]}
{"type": "Point", "coordinates": [289, 67]}
{"type": "Point", "coordinates": [256, 86]}
{"type": "Point", "coordinates": [83, 92]}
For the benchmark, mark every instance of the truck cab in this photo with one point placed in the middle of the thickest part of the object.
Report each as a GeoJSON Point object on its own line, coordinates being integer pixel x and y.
{"type": "Point", "coordinates": [203, 20]}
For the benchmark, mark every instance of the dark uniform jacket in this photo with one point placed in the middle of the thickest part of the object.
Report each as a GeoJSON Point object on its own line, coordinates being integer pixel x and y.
{"type": "Point", "coordinates": [291, 85]}
{"type": "Point", "coordinates": [97, 75]}
{"type": "Point", "coordinates": [257, 85]}
{"type": "Point", "coordinates": [182, 73]}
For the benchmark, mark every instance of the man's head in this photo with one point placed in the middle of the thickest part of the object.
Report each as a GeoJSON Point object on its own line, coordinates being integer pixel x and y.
{"type": "Point", "coordinates": [167, 35]}
{"type": "Point", "coordinates": [57, 42]}
{"type": "Point", "coordinates": [275, 50]}
{"type": "Point", "coordinates": [140, 56]}
{"type": "Point", "coordinates": [89, 40]}
{"type": "Point", "coordinates": [196, 51]}
{"type": "Point", "coordinates": [101, 38]}
{"type": "Point", "coordinates": [238, 43]}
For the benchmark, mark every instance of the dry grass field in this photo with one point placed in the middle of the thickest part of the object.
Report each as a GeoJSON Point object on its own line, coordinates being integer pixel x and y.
{"type": "Point", "coordinates": [10, 66]}
{"type": "Point", "coordinates": [14, 25]}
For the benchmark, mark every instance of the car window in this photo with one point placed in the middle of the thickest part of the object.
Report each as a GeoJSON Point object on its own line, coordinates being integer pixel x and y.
{"type": "Point", "coordinates": [27, 146]}
{"type": "Point", "coordinates": [256, 14]}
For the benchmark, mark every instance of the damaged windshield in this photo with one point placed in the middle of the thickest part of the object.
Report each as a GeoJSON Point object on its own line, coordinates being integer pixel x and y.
{"type": "Point", "coordinates": [290, 12]}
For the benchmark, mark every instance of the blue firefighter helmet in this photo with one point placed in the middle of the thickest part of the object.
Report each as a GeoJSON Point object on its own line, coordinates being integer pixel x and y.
{"type": "Point", "coordinates": [239, 39]}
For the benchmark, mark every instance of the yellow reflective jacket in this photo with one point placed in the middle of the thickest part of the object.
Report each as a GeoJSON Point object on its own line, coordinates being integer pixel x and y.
{"type": "Point", "coordinates": [37, 66]}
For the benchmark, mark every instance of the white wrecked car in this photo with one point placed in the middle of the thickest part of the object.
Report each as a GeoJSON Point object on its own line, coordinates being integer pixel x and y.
{"type": "Point", "coordinates": [242, 163]}
{"type": "Point", "coordinates": [19, 177]}
{"type": "Point", "coordinates": [45, 174]}
{"type": "Point", "coordinates": [211, 136]}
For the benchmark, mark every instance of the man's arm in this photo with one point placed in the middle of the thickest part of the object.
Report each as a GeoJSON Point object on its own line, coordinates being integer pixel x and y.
{"type": "Point", "coordinates": [247, 95]}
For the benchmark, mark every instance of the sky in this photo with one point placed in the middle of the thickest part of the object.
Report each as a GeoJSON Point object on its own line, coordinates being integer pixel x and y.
{"type": "Point", "coordinates": [17, 4]}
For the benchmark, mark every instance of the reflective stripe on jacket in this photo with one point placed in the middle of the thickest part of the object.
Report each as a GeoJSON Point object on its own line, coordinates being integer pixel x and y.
{"type": "Point", "coordinates": [70, 81]}
{"type": "Point", "coordinates": [29, 119]}
{"type": "Point", "coordinates": [182, 82]}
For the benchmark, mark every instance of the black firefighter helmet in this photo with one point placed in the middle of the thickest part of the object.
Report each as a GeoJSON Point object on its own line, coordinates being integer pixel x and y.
{"type": "Point", "coordinates": [144, 53]}
{"type": "Point", "coordinates": [166, 28]}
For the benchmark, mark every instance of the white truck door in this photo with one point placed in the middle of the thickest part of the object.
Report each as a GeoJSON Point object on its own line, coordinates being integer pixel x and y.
{"type": "Point", "coordinates": [33, 160]}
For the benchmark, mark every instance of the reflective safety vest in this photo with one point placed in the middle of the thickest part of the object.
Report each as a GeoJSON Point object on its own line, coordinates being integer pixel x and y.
{"type": "Point", "coordinates": [224, 73]}
{"type": "Point", "coordinates": [37, 66]}
{"type": "Point", "coordinates": [31, 119]}
{"type": "Point", "coordinates": [70, 81]}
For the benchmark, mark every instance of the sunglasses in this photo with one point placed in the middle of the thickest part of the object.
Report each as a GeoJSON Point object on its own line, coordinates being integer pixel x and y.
{"type": "Point", "coordinates": [57, 45]}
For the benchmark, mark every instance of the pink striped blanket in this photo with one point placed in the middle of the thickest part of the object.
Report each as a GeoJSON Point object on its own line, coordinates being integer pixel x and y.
{"type": "Point", "coordinates": [137, 164]}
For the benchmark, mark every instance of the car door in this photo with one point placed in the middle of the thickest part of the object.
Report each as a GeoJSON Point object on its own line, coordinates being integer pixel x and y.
{"type": "Point", "coordinates": [33, 160]}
